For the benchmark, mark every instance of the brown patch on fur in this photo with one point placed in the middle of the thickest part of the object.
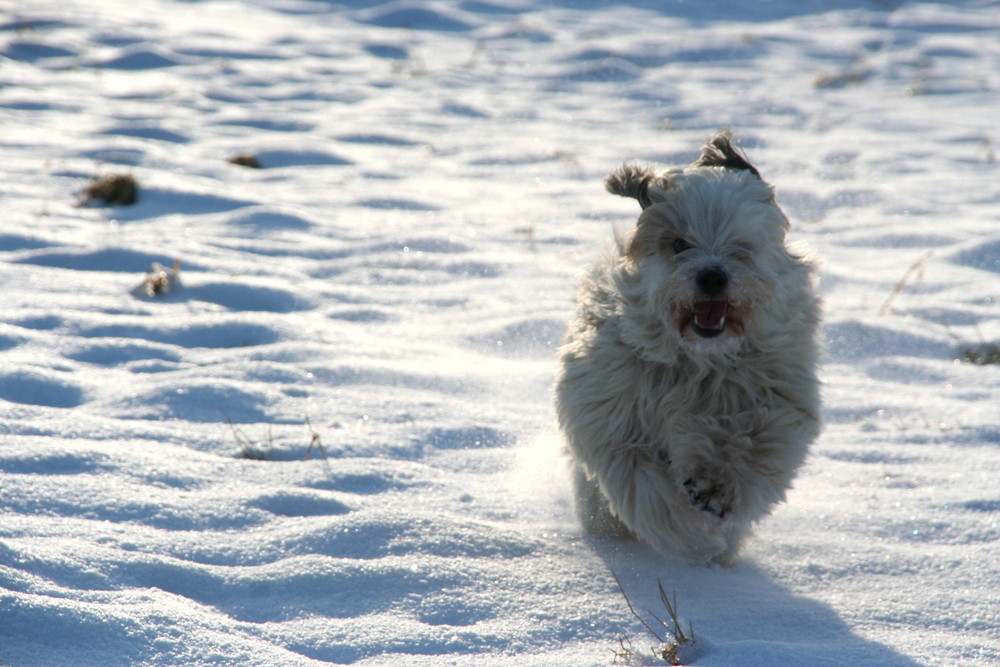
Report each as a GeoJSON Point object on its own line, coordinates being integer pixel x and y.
{"type": "Point", "coordinates": [647, 240]}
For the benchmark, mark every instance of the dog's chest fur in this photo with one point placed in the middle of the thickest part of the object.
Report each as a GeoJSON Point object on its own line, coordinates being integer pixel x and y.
{"type": "Point", "coordinates": [660, 404]}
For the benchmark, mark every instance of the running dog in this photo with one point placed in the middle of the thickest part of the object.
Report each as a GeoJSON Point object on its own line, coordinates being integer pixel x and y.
{"type": "Point", "coordinates": [687, 390]}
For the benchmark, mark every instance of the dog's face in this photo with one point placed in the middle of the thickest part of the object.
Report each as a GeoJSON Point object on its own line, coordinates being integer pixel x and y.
{"type": "Point", "coordinates": [708, 248]}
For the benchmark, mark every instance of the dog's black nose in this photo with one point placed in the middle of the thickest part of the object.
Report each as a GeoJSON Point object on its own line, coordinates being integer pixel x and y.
{"type": "Point", "coordinates": [711, 281]}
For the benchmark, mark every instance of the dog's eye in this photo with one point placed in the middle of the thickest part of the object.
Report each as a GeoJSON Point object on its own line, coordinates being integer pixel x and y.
{"type": "Point", "coordinates": [743, 251]}
{"type": "Point", "coordinates": [680, 245]}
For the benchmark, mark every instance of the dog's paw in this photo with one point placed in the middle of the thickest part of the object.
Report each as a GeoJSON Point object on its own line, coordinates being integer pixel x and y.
{"type": "Point", "coordinates": [709, 492]}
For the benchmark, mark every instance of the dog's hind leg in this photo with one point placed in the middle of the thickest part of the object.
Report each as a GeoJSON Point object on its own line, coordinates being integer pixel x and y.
{"type": "Point", "coordinates": [592, 508]}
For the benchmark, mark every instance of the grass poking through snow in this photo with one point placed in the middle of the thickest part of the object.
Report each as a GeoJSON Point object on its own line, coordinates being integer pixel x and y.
{"type": "Point", "coordinates": [675, 647]}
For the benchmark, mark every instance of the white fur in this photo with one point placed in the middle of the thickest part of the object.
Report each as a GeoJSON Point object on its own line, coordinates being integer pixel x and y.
{"type": "Point", "coordinates": [678, 439]}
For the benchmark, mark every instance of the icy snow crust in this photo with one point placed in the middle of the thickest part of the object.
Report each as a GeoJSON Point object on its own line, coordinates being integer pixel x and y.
{"type": "Point", "coordinates": [395, 280]}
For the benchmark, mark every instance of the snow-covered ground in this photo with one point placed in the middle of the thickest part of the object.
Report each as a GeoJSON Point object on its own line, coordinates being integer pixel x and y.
{"type": "Point", "coordinates": [390, 289]}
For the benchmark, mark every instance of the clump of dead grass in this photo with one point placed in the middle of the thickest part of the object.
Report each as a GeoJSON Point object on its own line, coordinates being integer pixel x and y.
{"type": "Point", "coordinates": [983, 354]}
{"type": "Point", "coordinates": [159, 280]}
{"type": "Point", "coordinates": [112, 189]}
{"type": "Point", "coordinates": [853, 74]}
{"type": "Point", "coordinates": [675, 645]}
{"type": "Point", "coordinates": [245, 160]}
{"type": "Point", "coordinates": [264, 451]}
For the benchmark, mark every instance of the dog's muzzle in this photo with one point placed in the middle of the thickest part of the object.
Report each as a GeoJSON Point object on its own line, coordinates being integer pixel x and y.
{"type": "Point", "coordinates": [708, 315]}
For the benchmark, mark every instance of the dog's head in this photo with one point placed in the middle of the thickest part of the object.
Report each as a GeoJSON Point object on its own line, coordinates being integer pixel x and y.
{"type": "Point", "coordinates": [708, 253]}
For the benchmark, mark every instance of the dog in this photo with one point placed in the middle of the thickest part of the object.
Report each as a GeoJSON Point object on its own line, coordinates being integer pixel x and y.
{"type": "Point", "coordinates": [687, 388]}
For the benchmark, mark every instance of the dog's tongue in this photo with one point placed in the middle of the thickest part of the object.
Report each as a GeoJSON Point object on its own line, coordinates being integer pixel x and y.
{"type": "Point", "coordinates": [710, 314]}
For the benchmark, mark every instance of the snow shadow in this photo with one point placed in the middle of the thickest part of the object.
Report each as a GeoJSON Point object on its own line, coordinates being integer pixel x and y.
{"type": "Point", "coordinates": [29, 388]}
{"type": "Point", "coordinates": [757, 620]}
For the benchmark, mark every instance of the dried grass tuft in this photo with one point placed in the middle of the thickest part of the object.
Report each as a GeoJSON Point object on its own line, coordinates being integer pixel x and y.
{"type": "Point", "coordinates": [245, 160]}
{"type": "Point", "coordinates": [121, 189]}
{"type": "Point", "coordinates": [672, 638]}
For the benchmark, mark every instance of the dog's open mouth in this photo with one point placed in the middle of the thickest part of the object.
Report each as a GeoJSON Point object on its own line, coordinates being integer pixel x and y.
{"type": "Point", "coordinates": [708, 317]}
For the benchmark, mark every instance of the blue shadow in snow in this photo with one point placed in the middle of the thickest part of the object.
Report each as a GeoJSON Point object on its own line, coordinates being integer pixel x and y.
{"type": "Point", "coordinates": [783, 629]}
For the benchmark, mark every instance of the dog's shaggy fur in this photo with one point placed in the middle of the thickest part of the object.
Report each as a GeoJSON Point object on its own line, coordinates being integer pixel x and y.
{"type": "Point", "coordinates": [687, 391]}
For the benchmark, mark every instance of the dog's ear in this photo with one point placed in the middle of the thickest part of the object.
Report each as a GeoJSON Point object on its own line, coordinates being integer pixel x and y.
{"type": "Point", "coordinates": [631, 180]}
{"type": "Point", "coordinates": [720, 152]}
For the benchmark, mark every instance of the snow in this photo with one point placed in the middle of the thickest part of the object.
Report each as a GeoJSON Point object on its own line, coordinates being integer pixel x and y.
{"type": "Point", "coordinates": [372, 319]}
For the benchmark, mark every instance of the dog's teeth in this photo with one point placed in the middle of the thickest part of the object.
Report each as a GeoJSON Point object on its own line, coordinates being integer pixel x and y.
{"type": "Point", "coordinates": [711, 315]}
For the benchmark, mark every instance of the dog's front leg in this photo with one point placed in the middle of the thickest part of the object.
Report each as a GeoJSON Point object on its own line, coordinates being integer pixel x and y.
{"type": "Point", "coordinates": [710, 489]}
{"type": "Point", "coordinates": [641, 493]}
{"type": "Point", "coordinates": [742, 476]}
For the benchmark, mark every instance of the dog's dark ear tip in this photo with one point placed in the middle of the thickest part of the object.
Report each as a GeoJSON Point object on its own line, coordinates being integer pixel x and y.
{"type": "Point", "coordinates": [720, 152]}
{"type": "Point", "coordinates": [631, 180]}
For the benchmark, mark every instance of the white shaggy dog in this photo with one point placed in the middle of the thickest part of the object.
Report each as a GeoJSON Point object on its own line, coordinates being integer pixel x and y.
{"type": "Point", "coordinates": [687, 391]}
